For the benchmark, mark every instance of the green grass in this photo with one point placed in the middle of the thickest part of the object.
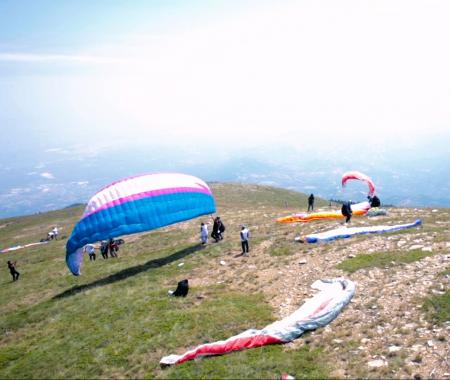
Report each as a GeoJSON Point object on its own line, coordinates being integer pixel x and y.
{"type": "Point", "coordinates": [116, 320]}
{"type": "Point", "coordinates": [268, 362]}
{"type": "Point", "coordinates": [381, 260]}
{"type": "Point", "coordinates": [437, 308]}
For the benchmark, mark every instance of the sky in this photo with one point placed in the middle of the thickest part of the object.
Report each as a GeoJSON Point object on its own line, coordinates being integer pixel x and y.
{"type": "Point", "coordinates": [82, 77]}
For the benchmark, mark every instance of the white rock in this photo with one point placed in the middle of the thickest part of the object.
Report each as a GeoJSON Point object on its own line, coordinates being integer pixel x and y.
{"type": "Point", "coordinates": [427, 249]}
{"type": "Point", "coordinates": [302, 261]}
{"type": "Point", "coordinates": [222, 262]}
{"type": "Point", "coordinates": [180, 264]}
{"type": "Point", "coordinates": [417, 347]}
{"type": "Point", "coordinates": [415, 246]}
{"type": "Point", "coordinates": [376, 363]}
{"type": "Point", "coordinates": [394, 348]}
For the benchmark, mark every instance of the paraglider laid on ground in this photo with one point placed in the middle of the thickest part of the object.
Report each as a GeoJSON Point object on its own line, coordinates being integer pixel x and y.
{"type": "Point", "coordinates": [314, 313]}
{"type": "Point", "coordinates": [358, 209]}
{"type": "Point", "coordinates": [344, 232]}
{"type": "Point", "coordinates": [15, 248]}
{"type": "Point", "coordinates": [138, 204]}
{"type": "Point", "coordinates": [376, 211]}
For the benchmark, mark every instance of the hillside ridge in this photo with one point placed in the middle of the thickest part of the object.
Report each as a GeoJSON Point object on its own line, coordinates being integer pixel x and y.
{"type": "Point", "coordinates": [387, 330]}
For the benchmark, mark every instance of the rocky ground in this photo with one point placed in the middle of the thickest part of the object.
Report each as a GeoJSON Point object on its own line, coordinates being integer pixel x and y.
{"type": "Point", "coordinates": [384, 332]}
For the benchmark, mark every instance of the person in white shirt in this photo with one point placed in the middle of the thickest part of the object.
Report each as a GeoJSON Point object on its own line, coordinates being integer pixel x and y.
{"type": "Point", "coordinates": [90, 249]}
{"type": "Point", "coordinates": [245, 235]}
{"type": "Point", "coordinates": [55, 232]}
{"type": "Point", "coordinates": [204, 233]}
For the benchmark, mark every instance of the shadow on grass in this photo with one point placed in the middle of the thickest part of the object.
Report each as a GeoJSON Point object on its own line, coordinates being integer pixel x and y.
{"type": "Point", "coordinates": [129, 272]}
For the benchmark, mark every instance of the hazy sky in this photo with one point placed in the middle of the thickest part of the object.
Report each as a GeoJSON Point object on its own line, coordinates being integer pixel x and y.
{"type": "Point", "coordinates": [226, 73]}
{"type": "Point", "coordinates": [290, 93]}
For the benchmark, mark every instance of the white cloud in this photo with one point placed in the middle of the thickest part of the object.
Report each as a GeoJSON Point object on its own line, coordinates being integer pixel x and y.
{"type": "Point", "coordinates": [47, 175]}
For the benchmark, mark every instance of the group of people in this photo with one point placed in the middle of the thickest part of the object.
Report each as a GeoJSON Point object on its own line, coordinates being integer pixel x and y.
{"type": "Point", "coordinates": [217, 234]}
{"type": "Point", "coordinates": [110, 247]}
{"type": "Point", "coordinates": [53, 234]}
{"type": "Point", "coordinates": [346, 208]}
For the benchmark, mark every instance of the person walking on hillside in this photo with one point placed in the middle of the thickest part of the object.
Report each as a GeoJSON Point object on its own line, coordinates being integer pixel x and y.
{"type": "Point", "coordinates": [218, 229]}
{"type": "Point", "coordinates": [90, 249]}
{"type": "Point", "coordinates": [245, 235]}
{"type": "Point", "coordinates": [311, 202]}
{"type": "Point", "coordinates": [55, 232]}
{"type": "Point", "coordinates": [204, 233]}
{"type": "Point", "coordinates": [113, 247]}
{"type": "Point", "coordinates": [347, 211]}
{"type": "Point", "coordinates": [12, 269]}
{"type": "Point", "coordinates": [104, 247]}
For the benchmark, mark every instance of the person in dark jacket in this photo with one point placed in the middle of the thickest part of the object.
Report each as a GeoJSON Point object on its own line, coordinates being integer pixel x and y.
{"type": "Point", "coordinates": [113, 247]}
{"type": "Point", "coordinates": [374, 201]}
{"type": "Point", "coordinates": [12, 269]}
{"type": "Point", "coordinates": [218, 229]}
{"type": "Point", "coordinates": [347, 211]}
{"type": "Point", "coordinates": [311, 202]}
{"type": "Point", "coordinates": [104, 248]}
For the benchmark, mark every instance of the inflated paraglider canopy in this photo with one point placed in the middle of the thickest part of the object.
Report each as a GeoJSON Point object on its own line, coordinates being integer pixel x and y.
{"type": "Point", "coordinates": [361, 177]}
{"type": "Point", "coordinates": [138, 204]}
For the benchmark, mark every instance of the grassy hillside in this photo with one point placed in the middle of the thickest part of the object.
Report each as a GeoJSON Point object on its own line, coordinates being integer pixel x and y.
{"type": "Point", "coordinates": [117, 321]}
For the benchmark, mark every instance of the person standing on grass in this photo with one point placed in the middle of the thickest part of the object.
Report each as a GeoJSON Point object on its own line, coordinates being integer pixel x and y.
{"type": "Point", "coordinates": [90, 249]}
{"type": "Point", "coordinates": [113, 247]}
{"type": "Point", "coordinates": [55, 232]}
{"type": "Point", "coordinates": [104, 247]}
{"type": "Point", "coordinates": [347, 211]}
{"type": "Point", "coordinates": [218, 229]}
{"type": "Point", "coordinates": [245, 235]}
{"type": "Point", "coordinates": [12, 269]}
{"type": "Point", "coordinates": [311, 202]}
{"type": "Point", "coordinates": [204, 233]}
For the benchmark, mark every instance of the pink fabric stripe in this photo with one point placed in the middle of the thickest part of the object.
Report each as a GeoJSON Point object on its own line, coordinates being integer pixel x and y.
{"type": "Point", "coordinates": [229, 346]}
{"type": "Point", "coordinates": [151, 193]}
{"type": "Point", "coordinates": [321, 307]}
{"type": "Point", "coordinates": [137, 176]}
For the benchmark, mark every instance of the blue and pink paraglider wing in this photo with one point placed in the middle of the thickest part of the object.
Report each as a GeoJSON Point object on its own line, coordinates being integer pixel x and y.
{"type": "Point", "coordinates": [138, 204]}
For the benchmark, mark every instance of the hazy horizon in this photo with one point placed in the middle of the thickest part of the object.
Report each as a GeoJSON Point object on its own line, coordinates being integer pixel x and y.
{"type": "Point", "coordinates": [96, 91]}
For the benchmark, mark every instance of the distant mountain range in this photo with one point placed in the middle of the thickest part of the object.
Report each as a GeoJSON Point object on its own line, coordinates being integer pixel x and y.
{"type": "Point", "coordinates": [57, 177]}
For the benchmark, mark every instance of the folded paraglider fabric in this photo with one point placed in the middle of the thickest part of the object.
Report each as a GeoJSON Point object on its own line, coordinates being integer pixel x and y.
{"type": "Point", "coordinates": [316, 312]}
{"type": "Point", "coordinates": [15, 248]}
{"type": "Point", "coordinates": [346, 232]}
{"type": "Point", "coordinates": [376, 211]}
{"type": "Point", "coordinates": [358, 209]}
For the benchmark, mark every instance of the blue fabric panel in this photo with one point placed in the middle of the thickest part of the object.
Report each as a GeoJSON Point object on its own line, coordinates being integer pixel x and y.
{"type": "Point", "coordinates": [139, 215]}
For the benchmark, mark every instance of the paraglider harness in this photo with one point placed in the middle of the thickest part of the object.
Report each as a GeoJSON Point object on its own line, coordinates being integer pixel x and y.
{"type": "Point", "coordinates": [346, 209]}
{"type": "Point", "coordinates": [374, 201]}
{"type": "Point", "coordinates": [182, 289]}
